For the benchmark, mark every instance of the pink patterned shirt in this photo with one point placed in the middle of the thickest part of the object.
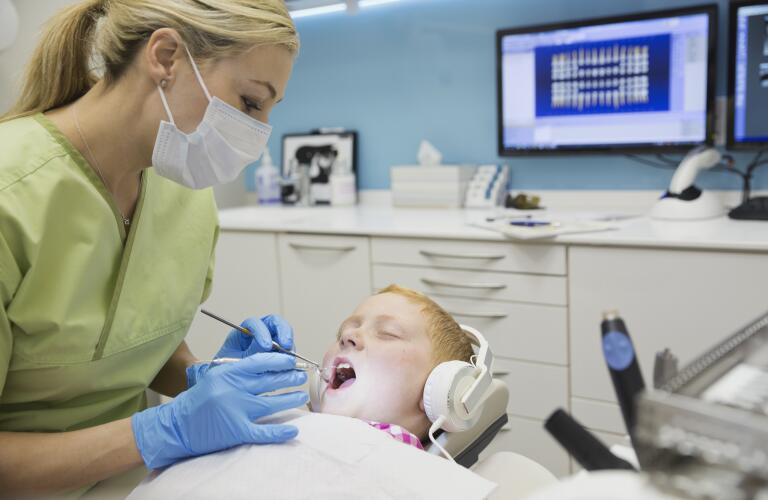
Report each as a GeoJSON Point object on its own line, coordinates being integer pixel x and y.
{"type": "Point", "coordinates": [398, 433]}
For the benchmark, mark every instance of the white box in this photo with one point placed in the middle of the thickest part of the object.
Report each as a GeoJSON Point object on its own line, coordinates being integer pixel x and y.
{"type": "Point", "coordinates": [441, 186]}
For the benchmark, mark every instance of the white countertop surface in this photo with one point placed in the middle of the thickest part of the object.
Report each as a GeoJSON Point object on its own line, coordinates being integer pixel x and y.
{"type": "Point", "coordinates": [373, 220]}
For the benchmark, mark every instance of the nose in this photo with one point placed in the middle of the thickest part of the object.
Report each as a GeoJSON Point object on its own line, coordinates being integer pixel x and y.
{"type": "Point", "coordinates": [352, 339]}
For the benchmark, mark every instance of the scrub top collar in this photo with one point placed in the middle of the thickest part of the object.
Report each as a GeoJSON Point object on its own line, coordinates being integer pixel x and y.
{"type": "Point", "coordinates": [93, 177]}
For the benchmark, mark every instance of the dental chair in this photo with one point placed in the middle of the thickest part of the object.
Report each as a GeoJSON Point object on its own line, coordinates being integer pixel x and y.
{"type": "Point", "coordinates": [465, 447]}
{"type": "Point", "coordinates": [517, 476]}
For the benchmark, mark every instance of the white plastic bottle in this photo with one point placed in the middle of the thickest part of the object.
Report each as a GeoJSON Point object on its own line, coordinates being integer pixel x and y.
{"type": "Point", "coordinates": [343, 185]}
{"type": "Point", "coordinates": [267, 181]}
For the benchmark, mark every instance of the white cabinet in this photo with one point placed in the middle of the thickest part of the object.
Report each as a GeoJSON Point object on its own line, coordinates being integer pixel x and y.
{"type": "Point", "coordinates": [323, 279]}
{"type": "Point", "coordinates": [245, 283]}
{"type": "Point", "coordinates": [529, 332]}
{"type": "Point", "coordinates": [518, 287]}
{"type": "Point", "coordinates": [480, 255]}
{"type": "Point", "coordinates": [686, 300]}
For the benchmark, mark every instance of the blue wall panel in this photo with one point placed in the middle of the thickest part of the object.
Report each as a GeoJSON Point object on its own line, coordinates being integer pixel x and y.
{"type": "Point", "coordinates": [417, 69]}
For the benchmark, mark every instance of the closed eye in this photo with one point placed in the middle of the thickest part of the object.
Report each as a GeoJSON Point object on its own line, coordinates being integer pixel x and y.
{"type": "Point", "coordinates": [250, 105]}
{"type": "Point", "coordinates": [389, 335]}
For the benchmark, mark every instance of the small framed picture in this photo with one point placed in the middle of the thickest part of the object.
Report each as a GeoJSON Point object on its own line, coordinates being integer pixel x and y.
{"type": "Point", "coordinates": [321, 152]}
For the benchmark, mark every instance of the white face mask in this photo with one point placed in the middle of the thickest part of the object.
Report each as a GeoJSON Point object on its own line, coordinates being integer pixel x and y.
{"type": "Point", "coordinates": [224, 143]}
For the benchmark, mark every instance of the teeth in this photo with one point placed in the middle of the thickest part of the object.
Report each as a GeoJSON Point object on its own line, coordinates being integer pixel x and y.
{"type": "Point", "coordinates": [343, 365]}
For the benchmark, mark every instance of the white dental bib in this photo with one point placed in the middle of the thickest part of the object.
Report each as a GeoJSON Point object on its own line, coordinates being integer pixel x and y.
{"type": "Point", "coordinates": [332, 457]}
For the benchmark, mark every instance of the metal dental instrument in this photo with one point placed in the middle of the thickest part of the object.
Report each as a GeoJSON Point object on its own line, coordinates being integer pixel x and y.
{"type": "Point", "coordinates": [323, 373]}
{"type": "Point", "coordinates": [275, 345]}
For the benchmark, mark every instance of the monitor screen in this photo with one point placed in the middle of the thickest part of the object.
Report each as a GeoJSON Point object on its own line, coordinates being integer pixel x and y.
{"type": "Point", "coordinates": [748, 82]}
{"type": "Point", "coordinates": [635, 83]}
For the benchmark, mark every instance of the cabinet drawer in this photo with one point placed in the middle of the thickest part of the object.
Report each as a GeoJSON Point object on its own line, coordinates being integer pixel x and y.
{"type": "Point", "coordinates": [598, 415]}
{"type": "Point", "coordinates": [526, 332]}
{"type": "Point", "coordinates": [529, 438]}
{"type": "Point", "coordinates": [475, 284]}
{"type": "Point", "coordinates": [535, 390]}
{"type": "Point", "coordinates": [323, 279]}
{"type": "Point", "coordinates": [481, 255]}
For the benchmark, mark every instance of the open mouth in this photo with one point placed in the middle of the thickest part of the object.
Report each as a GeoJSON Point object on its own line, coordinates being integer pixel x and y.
{"type": "Point", "coordinates": [343, 376]}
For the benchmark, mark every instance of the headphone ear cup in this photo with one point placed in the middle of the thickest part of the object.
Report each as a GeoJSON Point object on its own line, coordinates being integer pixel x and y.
{"type": "Point", "coordinates": [442, 391]}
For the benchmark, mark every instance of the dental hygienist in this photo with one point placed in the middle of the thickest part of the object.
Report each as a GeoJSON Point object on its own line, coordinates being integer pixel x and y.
{"type": "Point", "coordinates": [103, 262]}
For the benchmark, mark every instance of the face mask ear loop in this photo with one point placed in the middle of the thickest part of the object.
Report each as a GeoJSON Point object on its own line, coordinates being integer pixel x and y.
{"type": "Point", "coordinates": [165, 104]}
{"type": "Point", "coordinates": [197, 74]}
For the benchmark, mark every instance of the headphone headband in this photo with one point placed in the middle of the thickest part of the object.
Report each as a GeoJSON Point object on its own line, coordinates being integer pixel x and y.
{"type": "Point", "coordinates": [472, 398]}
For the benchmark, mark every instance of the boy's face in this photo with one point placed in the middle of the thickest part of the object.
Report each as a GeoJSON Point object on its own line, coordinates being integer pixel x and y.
{"type": "Point", "coordinates": [385, 357]}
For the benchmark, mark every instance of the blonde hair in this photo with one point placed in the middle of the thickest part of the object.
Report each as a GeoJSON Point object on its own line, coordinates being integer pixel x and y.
{"type": "Point", "coordinates": [112, 31]}
{"type": "Point", "coordinates": [449, 341]}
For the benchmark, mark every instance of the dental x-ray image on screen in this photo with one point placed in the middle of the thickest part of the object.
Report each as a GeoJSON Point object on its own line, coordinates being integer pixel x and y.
{"type": "Point", "coordinates": [634, 83]}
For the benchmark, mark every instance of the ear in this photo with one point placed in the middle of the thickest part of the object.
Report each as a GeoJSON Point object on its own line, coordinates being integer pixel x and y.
{"type": "Point", "coordinates": [164, 52]}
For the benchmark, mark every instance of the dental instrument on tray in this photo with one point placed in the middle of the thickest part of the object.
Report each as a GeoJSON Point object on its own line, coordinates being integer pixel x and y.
{"type": "Point", "coordinates": [275, 345]}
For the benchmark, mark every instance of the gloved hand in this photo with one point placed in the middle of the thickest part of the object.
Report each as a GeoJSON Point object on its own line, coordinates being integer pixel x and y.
{"type": "Point", "coordinates": [240, 345]}
{"type": "Point", "coordinates": [219, 411]}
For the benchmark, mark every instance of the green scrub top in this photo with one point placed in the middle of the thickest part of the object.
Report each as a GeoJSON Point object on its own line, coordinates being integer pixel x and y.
{"type": "Point", "coordinates": [89, 313]}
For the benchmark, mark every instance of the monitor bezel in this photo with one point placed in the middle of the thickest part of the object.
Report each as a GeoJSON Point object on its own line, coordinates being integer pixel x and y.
{"type": "Point", "coordinates": [711, 10]}
{"type": "Point", "coordinates": [730, 138]}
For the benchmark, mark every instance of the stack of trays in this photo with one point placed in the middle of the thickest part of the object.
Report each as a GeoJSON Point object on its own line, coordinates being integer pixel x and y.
{"type": "Point", "coordinates": [441, 186]}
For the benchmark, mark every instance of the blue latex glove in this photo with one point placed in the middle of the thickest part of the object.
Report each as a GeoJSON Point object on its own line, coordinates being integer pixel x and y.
{"type": "Point", "coordinates": [219, 411]}
{"type": "Point", "coordinates": [240, 345]}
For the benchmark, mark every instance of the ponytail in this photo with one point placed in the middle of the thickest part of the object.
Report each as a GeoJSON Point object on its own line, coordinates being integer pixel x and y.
{"type": "Point", "coordinates": [59, 71]}
{"type": "Point", "coordinates": [61, 68]}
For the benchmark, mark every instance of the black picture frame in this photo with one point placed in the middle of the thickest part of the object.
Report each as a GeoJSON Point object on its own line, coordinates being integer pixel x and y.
{"type": "Point", "coordinates": [325, 147]}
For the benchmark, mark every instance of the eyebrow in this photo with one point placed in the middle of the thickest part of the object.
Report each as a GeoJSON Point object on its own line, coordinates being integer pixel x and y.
{"type": "Point", "coordinates": [270, 87]}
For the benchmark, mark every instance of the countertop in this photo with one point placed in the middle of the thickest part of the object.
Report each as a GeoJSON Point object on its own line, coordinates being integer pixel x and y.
{"type": "Point", "coordinates": [375, 220]}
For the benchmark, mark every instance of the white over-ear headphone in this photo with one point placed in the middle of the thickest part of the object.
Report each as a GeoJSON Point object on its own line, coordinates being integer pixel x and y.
{"type": "Point", "coordinates": [455, 390]}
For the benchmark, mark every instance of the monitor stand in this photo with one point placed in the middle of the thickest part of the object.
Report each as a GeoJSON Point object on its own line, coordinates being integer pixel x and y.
{"type": "Point", "coordinates": [755, 208]}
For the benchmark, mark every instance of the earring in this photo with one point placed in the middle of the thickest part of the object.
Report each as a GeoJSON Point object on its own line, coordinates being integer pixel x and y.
{"type": "Point", "coordinates": [163, 83]}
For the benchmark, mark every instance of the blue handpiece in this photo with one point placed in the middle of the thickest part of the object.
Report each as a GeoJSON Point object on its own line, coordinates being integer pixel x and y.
{"type": "Point", "coordinates": [620, 356]}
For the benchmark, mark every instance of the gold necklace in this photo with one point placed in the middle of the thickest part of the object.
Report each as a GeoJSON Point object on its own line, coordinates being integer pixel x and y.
{"type": "Point", "coordinates": [126, 220]}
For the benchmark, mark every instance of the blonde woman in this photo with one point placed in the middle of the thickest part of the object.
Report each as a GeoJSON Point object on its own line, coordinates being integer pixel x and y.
{"type": "Point", "coordinates": [104, 261]}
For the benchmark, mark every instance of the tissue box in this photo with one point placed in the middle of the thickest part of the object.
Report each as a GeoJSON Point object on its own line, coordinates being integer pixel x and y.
{"type": "Point", "coordinates": [442, 186]}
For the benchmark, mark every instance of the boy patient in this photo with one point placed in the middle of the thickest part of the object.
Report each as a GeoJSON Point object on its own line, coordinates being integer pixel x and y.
{"type": "Point", "coordinates": [377, 369]}
{"type": "Point", "coordinates": [383, 354]}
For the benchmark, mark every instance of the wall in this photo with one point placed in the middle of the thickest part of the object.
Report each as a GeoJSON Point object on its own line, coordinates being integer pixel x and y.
{"type": "Point", "coordinates": [32, 15]}
{"type": "Point", "coordinates": [418, 69]}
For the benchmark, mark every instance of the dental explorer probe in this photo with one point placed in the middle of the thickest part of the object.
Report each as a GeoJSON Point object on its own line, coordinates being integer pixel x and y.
{"type": "Point", "coordinates": [275, 345]}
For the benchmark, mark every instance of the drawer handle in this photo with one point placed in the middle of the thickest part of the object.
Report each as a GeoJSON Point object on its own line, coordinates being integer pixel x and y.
{"type": "Point", "coordinates": [500, 373]}
{"type": "Point", "coordinates": [428, 253]}
{"type": "Point", "coordinates": [301, 246]}
{"type": "Point", "coordinates": [474, 286]}
{"type": "Point", "coordinates": [490, 315]}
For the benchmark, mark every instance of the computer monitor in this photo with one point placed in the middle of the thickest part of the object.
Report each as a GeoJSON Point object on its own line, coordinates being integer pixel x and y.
{"type": "Point", "coordinates": [638, 83]}
{"type": "Point", "coordinates": [748, 76]}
